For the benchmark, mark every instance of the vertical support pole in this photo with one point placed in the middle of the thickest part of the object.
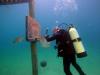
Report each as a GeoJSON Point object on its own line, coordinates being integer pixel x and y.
{"type": "Point", "coordinates": [34, 58]}
{"type": "Point", "coordinates": [31, 8]}
{"type": "Point", "coordinates": [33, 44]}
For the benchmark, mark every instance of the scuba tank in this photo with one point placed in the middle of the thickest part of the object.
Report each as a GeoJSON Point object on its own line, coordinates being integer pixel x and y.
{"type": "Point", "coordinates": [77, 42]}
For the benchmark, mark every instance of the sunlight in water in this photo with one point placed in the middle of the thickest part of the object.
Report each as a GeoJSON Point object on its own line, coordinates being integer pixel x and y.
{"type": "Point", "coordinates": [64, 8]}
{"type": "Point", "coordinates": [69, 5]}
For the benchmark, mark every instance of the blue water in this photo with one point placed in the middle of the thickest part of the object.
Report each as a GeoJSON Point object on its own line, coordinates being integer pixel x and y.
{"type": "Point", "coordinates": [15, 59]}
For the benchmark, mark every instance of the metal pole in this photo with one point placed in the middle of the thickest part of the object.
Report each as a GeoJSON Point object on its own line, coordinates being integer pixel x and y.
{"type": "Point", "coordinates": [34, 58]}
{"type": "Point", "coordinates": [33, 44]}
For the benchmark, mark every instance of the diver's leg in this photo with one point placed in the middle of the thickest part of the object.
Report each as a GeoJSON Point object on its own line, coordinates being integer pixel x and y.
{"type": "Point", "coordinates": [66, 66]}
{"type": "Point", "coordinates": [78, 68]}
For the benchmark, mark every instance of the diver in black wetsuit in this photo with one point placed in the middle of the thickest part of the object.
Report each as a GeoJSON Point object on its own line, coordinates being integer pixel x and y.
{"type": "Point", "coordinates": [65, 50]}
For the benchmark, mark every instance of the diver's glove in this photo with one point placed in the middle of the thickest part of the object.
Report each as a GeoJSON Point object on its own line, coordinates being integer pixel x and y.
{"type": "Point", "coordinates": [60, 53]}
{"type": "Point", "coordinates": [46, 36]}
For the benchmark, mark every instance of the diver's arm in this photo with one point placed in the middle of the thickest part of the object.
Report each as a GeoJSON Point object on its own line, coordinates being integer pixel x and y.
{"type": "Point", "coordinates": [50, 38]}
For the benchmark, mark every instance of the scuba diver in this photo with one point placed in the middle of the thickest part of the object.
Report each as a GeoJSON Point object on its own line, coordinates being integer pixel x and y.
{"type": "Point", "coordinates": [65, 49]}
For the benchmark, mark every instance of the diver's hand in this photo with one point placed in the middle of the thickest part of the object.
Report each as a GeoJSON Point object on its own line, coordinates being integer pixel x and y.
{"type": "Point", "coordinates": [46, 36]}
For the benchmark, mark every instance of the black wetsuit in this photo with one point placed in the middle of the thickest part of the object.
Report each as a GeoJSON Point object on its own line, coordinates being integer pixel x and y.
{"type": "Point", "coordinates": [65, 50]}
